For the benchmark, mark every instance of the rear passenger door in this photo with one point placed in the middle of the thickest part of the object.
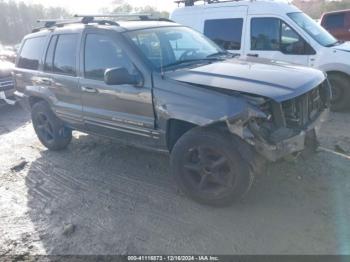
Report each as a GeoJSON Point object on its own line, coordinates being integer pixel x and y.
{"type": "Point", "coordinates": [119, 111]}
{"type": "Point", "coordinates": [60, 77]}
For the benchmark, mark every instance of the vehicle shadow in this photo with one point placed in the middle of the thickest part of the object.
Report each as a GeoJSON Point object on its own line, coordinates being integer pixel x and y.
{"type": "Point", "coordinates": [99, 197]}
{"type": "Point", "coordinates": [12, 117]}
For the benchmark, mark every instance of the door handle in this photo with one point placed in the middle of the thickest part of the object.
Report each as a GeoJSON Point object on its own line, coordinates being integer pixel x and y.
{"type": "Point", "coordinates": [46, 82]}
{"type": "Point", "coordinates": [253, 55]}
{"type": "Point", "coordinates": [43, 81]}
{"type": "Point", "coordinates": [89, 89]}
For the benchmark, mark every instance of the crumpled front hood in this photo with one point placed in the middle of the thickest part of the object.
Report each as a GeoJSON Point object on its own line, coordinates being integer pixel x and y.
{"type": "Point", "coordinates": [278, 82]}
{"type": "Point", "coordinates": [343, 47]}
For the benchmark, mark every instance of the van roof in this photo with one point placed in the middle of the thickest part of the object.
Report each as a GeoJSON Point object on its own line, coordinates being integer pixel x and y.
{"type": "Point", "coordinates": [254, 7]}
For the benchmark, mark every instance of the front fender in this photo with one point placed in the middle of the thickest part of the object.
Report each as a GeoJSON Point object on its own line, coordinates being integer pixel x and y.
{"type": "Point", "coordinates": [200, 106]}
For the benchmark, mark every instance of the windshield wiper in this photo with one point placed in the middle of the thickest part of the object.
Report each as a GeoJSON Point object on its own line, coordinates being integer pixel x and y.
{"type": "Point", "coordinates": [218, 54]}
{"type": "Point", "coordinates": [334, 44]}
{"type": "Point", "coordinates": [222, 53]}
{"type": "Point", "coordinates": [208, 59]}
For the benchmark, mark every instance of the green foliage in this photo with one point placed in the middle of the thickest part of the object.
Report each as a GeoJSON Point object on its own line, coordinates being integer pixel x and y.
{"type": "Point", "coordinates": [18, 19]}
{"type": "Point", "coordinates": [122, 6]}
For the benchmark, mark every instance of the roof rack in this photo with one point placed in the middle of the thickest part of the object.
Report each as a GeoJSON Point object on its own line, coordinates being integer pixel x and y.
{"type": "Point", "coordinates": [50, 23]}
{"type": "Point", "coordinates": [192, 2]}
{"type": "Point", "coordinates": [128, 17]}
{"type": "Point", "coordinates": [88, 19]}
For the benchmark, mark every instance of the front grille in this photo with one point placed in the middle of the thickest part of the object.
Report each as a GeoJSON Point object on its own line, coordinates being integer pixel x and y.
{"type": "Point", "coordinates": [6, 84]}
{"type": "Point", "coordinates": [300, 111]}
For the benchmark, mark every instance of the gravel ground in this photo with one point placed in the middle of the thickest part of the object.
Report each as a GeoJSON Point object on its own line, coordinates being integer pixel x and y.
{"type": "Point", "coordinates": [98, 197]}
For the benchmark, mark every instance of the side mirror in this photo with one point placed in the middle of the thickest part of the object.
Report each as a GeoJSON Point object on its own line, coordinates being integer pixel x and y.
{"type": "Point", "coordinates": [121, 76]}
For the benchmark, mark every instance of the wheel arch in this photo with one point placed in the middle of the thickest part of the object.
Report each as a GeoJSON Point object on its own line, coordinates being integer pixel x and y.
{"type": "Point", "coordinates": [337, 72]}
{"type": "Point", "coordinates": [176, 128]}
{"type": "Point", "coordinates": [35, 99]}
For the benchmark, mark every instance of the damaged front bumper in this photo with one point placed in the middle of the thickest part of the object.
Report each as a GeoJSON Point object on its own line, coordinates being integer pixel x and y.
{"type": "Point", "coordinates": [285, 146]}
{"type": "Point", "coordinates": [294, 144]}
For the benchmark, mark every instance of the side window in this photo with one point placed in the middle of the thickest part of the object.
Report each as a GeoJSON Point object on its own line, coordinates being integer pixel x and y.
{"type": "Point", "coordinates": [291, 42]}
{"type": "Point", "coordinates": [272, 34]}
{"type": "Point", "coordinates": [265, 34]}
{"type": "Point", "coordinates": [48, 66]}
{"type": "Point", "coordinates": [335, 21]}
{"type": "Point", "coordinates": [101, 53]}
{"type": "Point", "coordinates": [31, 53]}
{"type": "Point", "coordinates": [64, 61]}
{"type": "Point", "coordinates": [227, 33]}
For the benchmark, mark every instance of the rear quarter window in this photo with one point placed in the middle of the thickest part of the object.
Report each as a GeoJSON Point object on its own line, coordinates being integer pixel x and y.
{"type": "Point", "coordinates": [31, 53]}
{"type": "Point", "coordinates": [227, 33]}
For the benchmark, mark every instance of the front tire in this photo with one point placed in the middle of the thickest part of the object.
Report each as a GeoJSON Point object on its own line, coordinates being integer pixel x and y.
{"type": "Point", "coordinates": [50, 130]}
{"type": "Point", "coordinates": [209, 168]}
{"type": "Point", "coordinates": [341, 92]}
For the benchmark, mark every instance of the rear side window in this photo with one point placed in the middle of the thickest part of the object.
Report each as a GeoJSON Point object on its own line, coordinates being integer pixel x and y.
{"type": "Point", "coordinates": [64, 58]}
{"type": "Point", "coordinates": [227, 33]}
{"type": "Point", "coordinates": [335, 21]}
{"type": "Point", "coordinates": [31, 53]}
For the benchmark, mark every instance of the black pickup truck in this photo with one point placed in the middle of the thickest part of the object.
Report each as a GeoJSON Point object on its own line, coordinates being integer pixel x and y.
{"type": "Point", "coordinates": [163, 86]}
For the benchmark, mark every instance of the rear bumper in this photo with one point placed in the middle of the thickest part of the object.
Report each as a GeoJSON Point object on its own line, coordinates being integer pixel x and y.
{"type": "Point", "coordinates": [291, 145]}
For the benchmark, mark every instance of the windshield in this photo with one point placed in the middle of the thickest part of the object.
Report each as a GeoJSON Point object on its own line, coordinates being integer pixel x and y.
{"type": "Point", "coordinates": [313, 29]}
{"type": "Point", "coordinates": [174, 46]}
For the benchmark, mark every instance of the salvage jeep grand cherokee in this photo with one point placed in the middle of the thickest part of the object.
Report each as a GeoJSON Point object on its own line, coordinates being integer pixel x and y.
{"type": "Point", "coordinates": [159, 85]}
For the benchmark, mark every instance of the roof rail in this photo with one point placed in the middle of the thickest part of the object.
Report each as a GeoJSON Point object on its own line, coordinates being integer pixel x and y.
{"type": "Point", "coordinates": [192, 2]}
{"type": "Point", "coordinates": [88, 19]}
{"type": "Point", "coordinates": [128, 17]}
{"type": "Point", "coordinates": [50, 23]}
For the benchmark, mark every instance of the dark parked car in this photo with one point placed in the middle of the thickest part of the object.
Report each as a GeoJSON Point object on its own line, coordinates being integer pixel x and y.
{"type": "Point", "coordinates": [7, 88]}
{"type": "Point", "coordinates": [338, 24]}
{"type": "Point", "coordinates": [162, 86]}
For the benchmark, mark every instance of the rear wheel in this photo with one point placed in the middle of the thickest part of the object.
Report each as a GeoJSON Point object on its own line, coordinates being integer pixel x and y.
{"type": "Point", "coordinates": [209, 169]}
{"type": "Point", "coordinates": [341, 92]}
{"type": "Point", "coordinates": [50, 130]}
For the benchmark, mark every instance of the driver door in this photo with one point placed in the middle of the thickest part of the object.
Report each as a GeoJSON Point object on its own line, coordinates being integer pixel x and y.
{"type": "Point", "coordinates": [274, 39]}
{"type": "Point", "coordinates": [118, 111]}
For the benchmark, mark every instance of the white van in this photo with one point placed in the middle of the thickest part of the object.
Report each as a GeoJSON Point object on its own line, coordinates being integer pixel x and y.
{"type": "Point", "coordinates": [274, 30]}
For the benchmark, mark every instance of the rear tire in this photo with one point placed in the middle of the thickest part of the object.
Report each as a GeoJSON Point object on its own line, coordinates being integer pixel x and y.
{"type": "Point", "coordinates": [209, 168]}
{"type": "Point", "coordinates": [341, 92]}
{"type": "Point", "coordinates": [50, 130]}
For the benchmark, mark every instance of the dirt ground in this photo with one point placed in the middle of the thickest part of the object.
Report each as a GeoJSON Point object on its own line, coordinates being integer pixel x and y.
{"type": "Point", "coordinates": [99, 197]}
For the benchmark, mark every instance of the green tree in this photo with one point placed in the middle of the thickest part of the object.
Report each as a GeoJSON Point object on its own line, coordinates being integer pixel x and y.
{"type": "Point", "coordinates": [18, 19]}
{"type": "Point", "coordinates": [122, 6]}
